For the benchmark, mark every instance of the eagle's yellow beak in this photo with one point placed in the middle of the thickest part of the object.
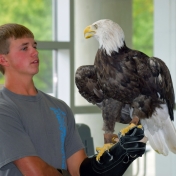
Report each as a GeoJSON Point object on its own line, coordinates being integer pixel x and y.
{"type": "Point", "coordinates": [89, 31]}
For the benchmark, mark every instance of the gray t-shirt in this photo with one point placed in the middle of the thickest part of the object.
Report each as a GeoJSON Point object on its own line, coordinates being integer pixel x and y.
{"type": "Point", "coordinates": [38, 125]}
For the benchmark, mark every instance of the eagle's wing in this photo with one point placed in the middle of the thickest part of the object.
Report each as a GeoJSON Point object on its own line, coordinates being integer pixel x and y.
{"type": "Point", "coordinates": [163, 83]}
{"type": "Point", "coordinates": [112, 110]}
{"type": "Point", "coordinates": [159, 128]}
{"type": "Point", "coordinates": [86, 82]}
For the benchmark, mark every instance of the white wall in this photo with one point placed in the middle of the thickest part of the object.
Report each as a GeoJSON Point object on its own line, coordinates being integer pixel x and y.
{"type": "Point", "coordinates": [165, 49]}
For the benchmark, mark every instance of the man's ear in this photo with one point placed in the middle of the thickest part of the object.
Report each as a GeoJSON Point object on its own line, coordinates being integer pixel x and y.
{"type": "Point", "coordinates": [3, 60]}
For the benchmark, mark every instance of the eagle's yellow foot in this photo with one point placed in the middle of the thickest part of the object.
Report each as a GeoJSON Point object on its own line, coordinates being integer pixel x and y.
{"type": "Point", "coordinates": [101, 150]}
{"type": "Point", "coordinates": [139, 126]}
{"type": "Point", "coordinates": [125, 130]}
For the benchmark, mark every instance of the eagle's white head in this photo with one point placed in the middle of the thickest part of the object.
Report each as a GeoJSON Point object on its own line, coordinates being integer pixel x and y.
{"type": "Point", "coordinates": [108, 33]}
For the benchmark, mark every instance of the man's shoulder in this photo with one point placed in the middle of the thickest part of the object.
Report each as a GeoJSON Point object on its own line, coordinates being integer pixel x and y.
{"type": "Point", "coordinates": [4, 99]}
{"type": "Point", "coordinates": [7, 106]}
{"type": "Point", "coordinates": [51, 97]}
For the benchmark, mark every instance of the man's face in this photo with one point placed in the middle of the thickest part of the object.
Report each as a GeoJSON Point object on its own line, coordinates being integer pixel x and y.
{"type": "Point", "coordinates": [23, 56]}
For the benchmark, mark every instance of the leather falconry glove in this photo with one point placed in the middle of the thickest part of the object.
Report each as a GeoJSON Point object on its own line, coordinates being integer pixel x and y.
{"type": "Point", "coordinates": [119, 157]}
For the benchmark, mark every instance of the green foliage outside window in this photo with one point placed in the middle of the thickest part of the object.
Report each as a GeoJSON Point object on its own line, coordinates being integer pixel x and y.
{"type": "Point", "coordinates": [34, 14]}
{"type": "Point", "coordinates": [143, 26]}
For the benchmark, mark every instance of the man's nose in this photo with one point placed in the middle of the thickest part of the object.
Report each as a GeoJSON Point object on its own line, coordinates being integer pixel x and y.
{"type": "Point", "coordinates": [35, 52]}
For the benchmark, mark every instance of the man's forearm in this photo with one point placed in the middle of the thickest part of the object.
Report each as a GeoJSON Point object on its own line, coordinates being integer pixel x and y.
{"type": "Point", "coordinates": [35, 166]}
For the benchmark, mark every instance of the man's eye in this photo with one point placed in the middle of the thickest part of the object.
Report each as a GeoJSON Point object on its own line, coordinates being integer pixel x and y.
{"type": "Point", "coordinates": [24, 48]}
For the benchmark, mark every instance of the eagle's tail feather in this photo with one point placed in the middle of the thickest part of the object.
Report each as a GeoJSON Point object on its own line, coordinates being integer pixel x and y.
{"type": "Point", "coordinates": [160, 131]}
{"type": "Point", "coordinates": [170, 134]}
{"type": "Point", "coordinates": [157, 142]}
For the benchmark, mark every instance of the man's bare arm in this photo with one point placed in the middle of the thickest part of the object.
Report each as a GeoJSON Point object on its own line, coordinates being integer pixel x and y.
{"type": "Point", "coordinates": [35, 166]}
{"type": "Point", "coordinates": [74, 162]}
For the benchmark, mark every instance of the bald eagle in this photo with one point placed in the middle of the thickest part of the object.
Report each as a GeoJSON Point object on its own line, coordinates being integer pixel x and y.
{"type": "Point", "coordinates": [129, 87]}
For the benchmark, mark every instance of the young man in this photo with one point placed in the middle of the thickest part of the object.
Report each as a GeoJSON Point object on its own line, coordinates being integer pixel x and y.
{"type": "Point", "coordinates": [37, 132]}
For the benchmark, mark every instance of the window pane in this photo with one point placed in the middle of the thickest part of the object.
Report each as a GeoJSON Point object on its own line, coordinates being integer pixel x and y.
{"type": "Point", "coordinates": [44, 79]}
{"type": "Point", "coordinates": [143, 26]}
{"type": "Point", "coordinates": [37, 16]}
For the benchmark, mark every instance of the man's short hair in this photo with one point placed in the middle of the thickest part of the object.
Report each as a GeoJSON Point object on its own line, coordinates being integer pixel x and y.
{"type": "Point", "coordinates": [8, 31]}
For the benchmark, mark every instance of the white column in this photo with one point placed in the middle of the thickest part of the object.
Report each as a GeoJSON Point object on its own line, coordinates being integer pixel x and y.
{"type": "Point", "coordinates": [165, 49]}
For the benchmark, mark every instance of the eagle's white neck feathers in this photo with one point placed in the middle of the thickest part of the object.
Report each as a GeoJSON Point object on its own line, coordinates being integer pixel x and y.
{"type": "Point", "coordinates": [109, 35]}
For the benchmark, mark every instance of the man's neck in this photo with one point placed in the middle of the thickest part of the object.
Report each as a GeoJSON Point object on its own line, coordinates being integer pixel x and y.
{"type": "Point", "coordinates": [22, 90]}
{"type": "Point", "coordinates": [21, 86]}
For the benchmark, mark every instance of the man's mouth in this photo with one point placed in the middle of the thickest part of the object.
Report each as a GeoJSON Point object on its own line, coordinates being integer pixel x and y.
{"type": "Point", "coordinates": [35, 62]}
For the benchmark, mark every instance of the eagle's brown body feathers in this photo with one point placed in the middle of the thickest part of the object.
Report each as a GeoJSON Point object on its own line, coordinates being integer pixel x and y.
{"type": "Point", "coordinates": [128, 77]}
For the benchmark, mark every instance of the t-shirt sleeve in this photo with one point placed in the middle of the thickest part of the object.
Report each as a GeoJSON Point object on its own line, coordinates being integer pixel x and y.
{"type": "Point", "coordinates": [14, 141]}
{"type": "Point", "coordinates": [73, 140]}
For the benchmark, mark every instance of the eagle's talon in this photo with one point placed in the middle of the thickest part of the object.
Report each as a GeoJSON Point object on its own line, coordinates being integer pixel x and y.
{"type": "Point", "coordinates": [115, 140]}
{"type": "Point", "coordinates": [128, 128]}
{"type": "Point", "coordinates": [98, 161]}
{"type": "Point", "coordinates": [140, 126]}
{"type": "Point", "coordinates": [101, 150]}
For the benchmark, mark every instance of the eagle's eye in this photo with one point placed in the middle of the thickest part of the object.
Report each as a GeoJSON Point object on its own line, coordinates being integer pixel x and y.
{"type": "Point", "coordinates": [96, 26]}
